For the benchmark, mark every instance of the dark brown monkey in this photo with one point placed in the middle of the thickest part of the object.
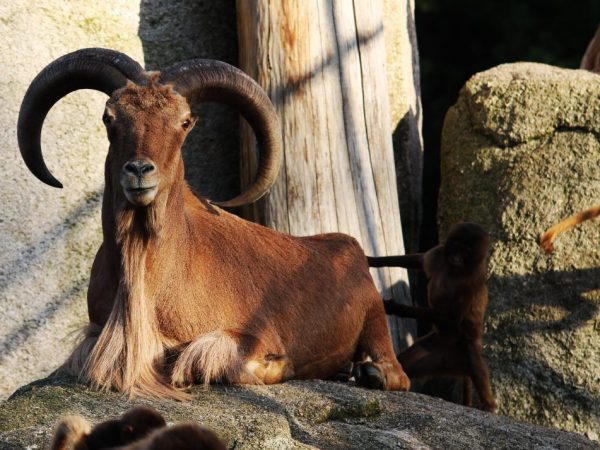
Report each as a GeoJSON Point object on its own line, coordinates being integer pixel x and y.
{"type": "Point", "coordinates": [547, 239]}
{"type": "Point", "coordinates": [76, 433]}
{"type": "Point", "coordinates": [457, 297]}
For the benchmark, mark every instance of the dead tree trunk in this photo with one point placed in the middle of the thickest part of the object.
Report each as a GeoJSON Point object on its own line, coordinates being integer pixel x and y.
{"type": "Point", "coordinates": [405, 103]}
{"type": "Point", "coordinates": [323, 65]}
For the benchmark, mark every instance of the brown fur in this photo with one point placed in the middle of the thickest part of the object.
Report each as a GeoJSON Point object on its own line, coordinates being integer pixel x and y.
{"type": "Point", "coordinates": [76, 433]}
{"type": "Point", "coordinates": [183, 436]}
{"type": "Point", "coordinates": [548, 237]}
{"type": "Point", "coordinates": [591, 58]}
{"type": "Point", "coordinates": [457, 296]}
{"type": "Point", "coordinates": [210, 357]}
{"type": "Point", "coordinates": [227, 300]}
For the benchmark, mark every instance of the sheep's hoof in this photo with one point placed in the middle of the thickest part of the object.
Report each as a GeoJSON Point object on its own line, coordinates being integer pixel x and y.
{"type": "Point", "coordinates": [369, 376]}
{"type": "Point", "coordinates": [344, 373]}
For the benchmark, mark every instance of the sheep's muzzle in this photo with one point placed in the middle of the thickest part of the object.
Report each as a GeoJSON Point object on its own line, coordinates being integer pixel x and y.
{"type": "Point", "coordinates": [139, 180]}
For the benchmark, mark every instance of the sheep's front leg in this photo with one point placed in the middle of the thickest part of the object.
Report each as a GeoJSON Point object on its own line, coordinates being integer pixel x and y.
{"type": "Point", "coordinates": [270, 368]}
{"type": "Point", "coordinates": [229, 356]}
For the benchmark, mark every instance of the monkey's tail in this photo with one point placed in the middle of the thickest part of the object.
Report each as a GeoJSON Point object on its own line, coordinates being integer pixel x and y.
{"type": "Point", "coordinates": [70, 432]}
{"type": "Point", "coordinates": [408, 261]}
{"type": "Point", "coordinates": [550, 235]}
{"type": "Point", "coordinates": [378, 261]}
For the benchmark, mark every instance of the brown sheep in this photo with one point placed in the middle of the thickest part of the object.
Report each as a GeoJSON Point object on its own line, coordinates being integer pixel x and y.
{"type": "Point", "coordinates": [182, 291]}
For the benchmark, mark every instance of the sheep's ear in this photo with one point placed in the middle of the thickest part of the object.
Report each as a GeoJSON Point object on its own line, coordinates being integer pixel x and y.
{"type": "Point", "coordinates": [191, 123]}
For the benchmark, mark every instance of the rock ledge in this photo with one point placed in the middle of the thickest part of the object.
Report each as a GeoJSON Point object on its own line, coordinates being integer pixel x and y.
{"type": "Point", "coordinates": [294, 415]}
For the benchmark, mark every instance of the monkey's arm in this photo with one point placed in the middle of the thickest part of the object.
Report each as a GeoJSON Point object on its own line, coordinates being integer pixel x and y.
{"type": "Point", "coordinates": [415, 312]}
{"type": "Point", "coordinates": [414, 261]}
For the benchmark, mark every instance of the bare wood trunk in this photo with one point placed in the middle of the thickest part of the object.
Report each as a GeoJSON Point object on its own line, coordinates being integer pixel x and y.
{"type": "Point", "coordinates": [323, 65]}
{"type": "Point", "coordinates": [405, 104]}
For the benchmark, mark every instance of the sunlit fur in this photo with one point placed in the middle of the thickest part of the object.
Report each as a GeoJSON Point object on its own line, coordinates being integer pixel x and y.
{"type": "Point", "coordinates": [70, 433]}
{"type": "Point", "coordinates": [185, 292]}
{"type": "Point", "coordinates": [210, 355]}
{"type": "Point", "coordinates": [548, 237]}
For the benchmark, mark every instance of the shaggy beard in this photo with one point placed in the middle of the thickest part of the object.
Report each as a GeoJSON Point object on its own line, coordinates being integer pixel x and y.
{"type": "Point", "coordinates": [129, 351]}
{"type": "Point", "coordinates": [143, 223]}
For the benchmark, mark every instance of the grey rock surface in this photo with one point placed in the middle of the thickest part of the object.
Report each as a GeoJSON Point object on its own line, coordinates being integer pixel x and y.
{"type": "Point", "coordinates": [520, 151]}
{"type": "Point", "coordinates": [48, 237]}
{"type": "Point", "coordinates": [294, 415]}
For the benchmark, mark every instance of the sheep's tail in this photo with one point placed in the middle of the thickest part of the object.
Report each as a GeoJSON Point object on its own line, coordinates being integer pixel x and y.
{"type": "Point", "coordinates": [70, 432]}
{"type": "Point", "coordinates": [212, 357]}
{"type": "Point", "coordinates": [550, 235]}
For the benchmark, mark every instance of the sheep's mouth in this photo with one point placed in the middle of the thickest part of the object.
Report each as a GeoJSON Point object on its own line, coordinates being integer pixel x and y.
{"type": "Point", "coordinates": [141, 196]}
{"type": "Point", "coordinates": [140, 190]}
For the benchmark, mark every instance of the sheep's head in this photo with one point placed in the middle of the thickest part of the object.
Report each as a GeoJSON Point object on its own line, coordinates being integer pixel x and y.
{"type": "Point", "coordinates": [146, 127]}
{"type": "Point", "coordinates": [147, 118]}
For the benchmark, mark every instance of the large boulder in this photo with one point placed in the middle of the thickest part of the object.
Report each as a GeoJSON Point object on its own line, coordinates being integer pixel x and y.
{"type": "Point", "coordinates": [520, 151]}
{"type": "Point", "coordinates": [294, 415]}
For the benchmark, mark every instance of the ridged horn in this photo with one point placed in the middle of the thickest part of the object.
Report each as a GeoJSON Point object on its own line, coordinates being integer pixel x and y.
{"type": "Point", "coordinates": [202, 80]}
{"type": "Point", "coordinates": [91, 68]}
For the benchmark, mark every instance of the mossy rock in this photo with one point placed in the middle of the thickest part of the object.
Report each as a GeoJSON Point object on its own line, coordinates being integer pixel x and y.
{"type": "Point", "coordinates": [293, 415]}
{"type": "Point", "coordinates": [520, 151]}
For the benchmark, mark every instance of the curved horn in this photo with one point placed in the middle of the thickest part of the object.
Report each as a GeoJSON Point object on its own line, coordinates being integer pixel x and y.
{"type": "Point", "coordinates": [91, 68]}
{"type": "Point", "coordinates": [208, 80]}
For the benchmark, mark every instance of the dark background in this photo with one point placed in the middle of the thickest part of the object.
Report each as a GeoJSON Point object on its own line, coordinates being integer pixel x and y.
{"type": "Point", "coordinates": [458, 38]}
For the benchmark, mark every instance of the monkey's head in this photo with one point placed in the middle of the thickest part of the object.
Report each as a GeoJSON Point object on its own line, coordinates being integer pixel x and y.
{"type": "Point", "coordinates": [466, 246]}
{"type": "Point", "coordinates": [139, 422]}
{"type": "Point", "coordinates": [133, 425]}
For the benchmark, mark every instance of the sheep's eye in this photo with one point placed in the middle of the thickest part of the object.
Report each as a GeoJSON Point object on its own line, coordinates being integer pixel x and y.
{"type": "Point", "coordinates": [186, 124]}
{"type": "Point", "coordinates": [106, 119]}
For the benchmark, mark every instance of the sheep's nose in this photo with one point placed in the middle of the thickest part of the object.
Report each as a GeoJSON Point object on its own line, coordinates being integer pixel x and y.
{"type": "Point", "coordinates": [139, 168]}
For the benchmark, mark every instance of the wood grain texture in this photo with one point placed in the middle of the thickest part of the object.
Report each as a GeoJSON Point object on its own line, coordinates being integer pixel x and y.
{"type": "Point", "coordinates": [403, 74]}
{"type": "Point", "coordinates": [322, 63]}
